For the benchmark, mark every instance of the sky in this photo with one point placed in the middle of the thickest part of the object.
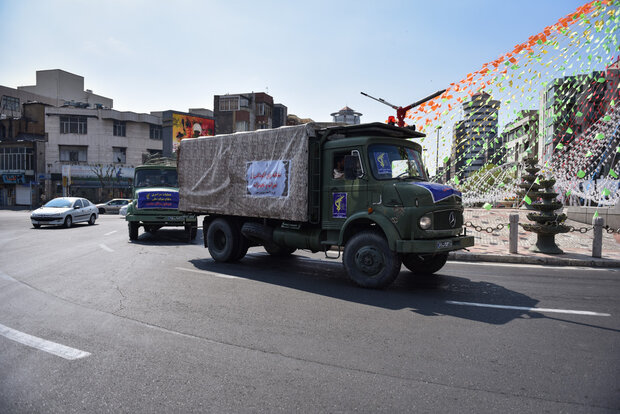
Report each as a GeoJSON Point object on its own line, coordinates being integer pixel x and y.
{"type": "Point", "coordinates": [314, 57]}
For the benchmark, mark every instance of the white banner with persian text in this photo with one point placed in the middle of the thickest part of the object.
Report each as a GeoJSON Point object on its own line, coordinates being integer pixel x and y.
{"type": "Point", "coordinates": [268, 178]}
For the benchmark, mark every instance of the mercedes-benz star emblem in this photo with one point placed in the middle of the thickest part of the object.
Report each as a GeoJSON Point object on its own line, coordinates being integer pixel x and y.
{"type": "Point", "coordinates": [452, 219]}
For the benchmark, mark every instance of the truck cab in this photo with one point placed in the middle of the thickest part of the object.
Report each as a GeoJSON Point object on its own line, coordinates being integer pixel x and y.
{"type": "Point", "coordinates": [156, 200]}
{"type": "Point", "coordinates": [385, 192]}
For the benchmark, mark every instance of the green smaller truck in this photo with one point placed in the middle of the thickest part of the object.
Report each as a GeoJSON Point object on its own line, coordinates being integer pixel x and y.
{"type": "Point", "coordinates": [156, 200]}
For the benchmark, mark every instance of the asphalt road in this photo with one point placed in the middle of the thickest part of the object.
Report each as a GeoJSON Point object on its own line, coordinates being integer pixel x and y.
{"type": "Point", "coordinates": [90, 322]}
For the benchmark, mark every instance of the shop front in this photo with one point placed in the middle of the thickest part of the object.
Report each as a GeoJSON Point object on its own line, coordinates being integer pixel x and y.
{"type": "Point", "coordinates": [94, 182]}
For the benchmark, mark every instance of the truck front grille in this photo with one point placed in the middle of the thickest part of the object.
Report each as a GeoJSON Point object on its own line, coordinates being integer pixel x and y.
{"type": "Point", "coordinates": [447, 219]}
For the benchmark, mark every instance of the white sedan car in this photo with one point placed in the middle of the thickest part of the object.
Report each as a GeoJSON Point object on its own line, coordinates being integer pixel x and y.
{"type": "Point", "coordinates": [64, 211]}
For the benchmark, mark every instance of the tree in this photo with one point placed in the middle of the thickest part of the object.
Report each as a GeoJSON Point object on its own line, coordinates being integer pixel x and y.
{"type": "Point", "coordinates": [105, 174]}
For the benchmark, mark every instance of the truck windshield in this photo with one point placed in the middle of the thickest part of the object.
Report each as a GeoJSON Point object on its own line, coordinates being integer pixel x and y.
{"type": "Point", "coordinates": [156, 178]}
{"type": "Point", "coordinates": [394, 161]}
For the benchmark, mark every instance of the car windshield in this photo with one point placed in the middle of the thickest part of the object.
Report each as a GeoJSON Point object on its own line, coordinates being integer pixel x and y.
{"type": "Point", "coordinates": [59, 203]}
{"type": "Point", "coordinates": [394, 161]}
{"type": "Point", "coordinates": [156, 178]}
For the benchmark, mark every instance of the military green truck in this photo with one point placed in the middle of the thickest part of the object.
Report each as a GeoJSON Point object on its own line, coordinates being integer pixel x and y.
{"type": "Point", "coordinates": [362, 188]}
{"type": "Point", "coordinates": [156, 200]}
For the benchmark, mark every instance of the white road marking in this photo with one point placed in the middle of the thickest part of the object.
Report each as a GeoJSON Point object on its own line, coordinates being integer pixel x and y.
{"type": "Point", "coordinates": [42, 344]}
{"type": "Point", "coordinates": [204, 272]}
{"type": "Point", "coordinates": [112, 232]}
{"type": "Point", "coordinates": [567, 311]}
{"type": "Point", "coordinates": [499, 264]}
{"type": "Point", "coordinates": [106, 248]}
{"type": "Point", "coordinates": [6, 277]}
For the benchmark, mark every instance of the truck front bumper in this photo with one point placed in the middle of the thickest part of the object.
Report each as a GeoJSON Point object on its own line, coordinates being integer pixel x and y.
{"type": "Point", "coordinates": [163, 219]}
{"type": "Point", "coordinates": [434, 245]}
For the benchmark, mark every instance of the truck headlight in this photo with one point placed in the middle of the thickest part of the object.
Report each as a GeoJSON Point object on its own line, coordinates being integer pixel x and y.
{"type": "Point", "coordinates": [425, 222]}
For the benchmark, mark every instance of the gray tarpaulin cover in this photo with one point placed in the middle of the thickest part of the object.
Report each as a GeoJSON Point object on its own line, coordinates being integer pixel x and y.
{"type": "Point", "coordinates": [257, 174]}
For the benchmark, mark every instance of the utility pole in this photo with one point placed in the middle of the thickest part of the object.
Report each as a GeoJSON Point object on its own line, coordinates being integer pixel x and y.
{"type": "Point", "coordinates": [437, 154]}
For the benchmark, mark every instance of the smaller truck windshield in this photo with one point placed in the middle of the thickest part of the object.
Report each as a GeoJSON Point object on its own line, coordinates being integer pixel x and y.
{"type": "Point", "coordinates": [156, 178]}
{"type": "Point", "coordinates": [393, 161]}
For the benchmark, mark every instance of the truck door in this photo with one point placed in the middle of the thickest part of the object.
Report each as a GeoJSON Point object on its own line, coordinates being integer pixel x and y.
{"type": "Point", "coordinates": [342, 196]}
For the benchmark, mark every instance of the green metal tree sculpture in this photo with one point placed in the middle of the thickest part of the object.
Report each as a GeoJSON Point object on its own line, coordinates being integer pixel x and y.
{"type": "Point", "coordinates": [547, 223]}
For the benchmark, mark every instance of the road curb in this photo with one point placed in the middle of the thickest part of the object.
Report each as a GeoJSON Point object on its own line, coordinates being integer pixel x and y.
{"type": "Point", "coordinates": [552, 261]}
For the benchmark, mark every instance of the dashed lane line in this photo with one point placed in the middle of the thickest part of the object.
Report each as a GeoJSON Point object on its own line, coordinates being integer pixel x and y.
{"type": "Point", "coordinates": [111, 232]}
{"type": "Point", "coordinates": [41, 344]}
{"type": "Point", "coordinates": [204, 272]}
{"type": "Point", "coordinates": [528, 309]}
{"type": "Point", "coordinates": [106, 248]}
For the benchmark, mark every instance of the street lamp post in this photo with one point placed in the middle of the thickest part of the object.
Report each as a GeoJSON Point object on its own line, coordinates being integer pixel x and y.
{"type": "Point", "coordinates": [437, 154]}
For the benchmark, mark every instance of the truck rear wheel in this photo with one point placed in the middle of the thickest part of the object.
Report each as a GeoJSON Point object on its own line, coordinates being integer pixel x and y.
{"type": "Point", "coordinates": [133, 230]}
{"type": "Point", "coordinates": [369, 261]}
{"type": "Point", "coordinates": [223, 241]}
{"type": "Point", "coordinates": [242, 249]}
{"type": "Point", "coordinates": [424, 264]}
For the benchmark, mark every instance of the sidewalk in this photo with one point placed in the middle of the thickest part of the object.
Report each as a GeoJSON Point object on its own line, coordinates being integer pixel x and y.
{"type": "Point", "coordinates": [493, 247]}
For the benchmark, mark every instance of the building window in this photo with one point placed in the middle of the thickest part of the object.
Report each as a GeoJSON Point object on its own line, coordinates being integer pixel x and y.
{"type": "Point", "coordinates": [229, 104]}
{"type": "Point", "coordinates": [155, 132]}
{"type": "Point", "coordinates": [119, 128]}
{"type": "Point", "coordinates": [241, 126]}
{"type": "Point", "coordinates": [119, 155]}
{"type": "Point", "coordinates": [10, 103]}
{"type": "Point", "coordinates": [73, 153]}
{"type": "Point", "coordinates": [15, 159]}
{"type": "Point", "coordinates": [73, 125]}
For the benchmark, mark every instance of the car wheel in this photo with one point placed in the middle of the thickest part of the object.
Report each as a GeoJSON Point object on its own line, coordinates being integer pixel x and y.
{"type": "Point", "coordinates": [424, 264]}
{"type": "Point", "coordinates": [102, 211]}
{"type": "Point", "coordinates": [36, 226]}
{"type": "Point", "coordinates": [369, 261]}
{"type": "Point", "coordinates": [68, 221]}
{"type": "Point", "coordinates": [92, 219]}
{"type": "Point", "coordinates": [133, 230]}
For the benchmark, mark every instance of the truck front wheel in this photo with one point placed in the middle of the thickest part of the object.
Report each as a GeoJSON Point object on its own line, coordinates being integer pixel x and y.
{"type": "Point", "coordinates": [191, 230]}
{"type": "Point", "coordinates": [223, 241]}
{"type": "Point", "coordinates": [424, 264]}
{"type": "Point", "coordinates": [133, 230]}
{"type": "Point", "coordinates": [369, 261]}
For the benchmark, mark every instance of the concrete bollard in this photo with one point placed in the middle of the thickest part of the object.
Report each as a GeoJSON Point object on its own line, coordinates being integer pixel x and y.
{"type": "Point", "coordinates": [513, 234]}
{"type": "Point", "coordinates": [597, 242]}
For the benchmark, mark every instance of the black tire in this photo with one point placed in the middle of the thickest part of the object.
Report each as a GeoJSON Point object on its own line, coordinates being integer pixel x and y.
{"type": "Point", "coordinates": [424, 264]}
{"type": "Point", "coordinates": [92, 219]}
{"type": "Point", "coordinates": [133, 226]}
{"type": "Point", "coordinates": [223, 240]}
{"type": "Point", "coordinates": [279, 251]}
{"type": "Point", "coordinates": [101, 211]}
{"type": "Point", "coordinates": [257, 233]}
{"type": "Point", "coordinates": [68, 221]}
{"type": "Point", "coordinates": [151, 229]}
{"type": "Point", "coordinates": [369, 261]}
{"type": "Point", "coordinates": [36, 226]}
{"type": "Point", "coordinates": [242, 249]}
{"type": "Point", "coordinates": [191, 231]}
